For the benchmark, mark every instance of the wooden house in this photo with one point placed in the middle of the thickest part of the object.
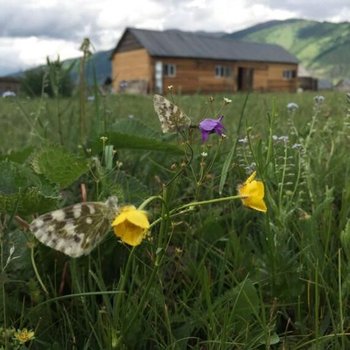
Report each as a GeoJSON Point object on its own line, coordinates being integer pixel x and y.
{"type": "Point", "coordinates": [305, 80]}
{"type": "Point", "coordinates": [194, 63]}
{"type": "Point", "coordinates": [9, 84]}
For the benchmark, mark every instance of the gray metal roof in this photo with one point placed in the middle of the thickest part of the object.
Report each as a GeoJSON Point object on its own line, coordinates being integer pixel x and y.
{"type": "Point", "coordinates": [175, 43]}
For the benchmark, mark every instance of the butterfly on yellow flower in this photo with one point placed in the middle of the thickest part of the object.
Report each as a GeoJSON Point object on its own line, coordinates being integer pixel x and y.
{"type": "Point", "coordinates": [171, 117]}
{"type": "Point", "coordinates": [252, 193]}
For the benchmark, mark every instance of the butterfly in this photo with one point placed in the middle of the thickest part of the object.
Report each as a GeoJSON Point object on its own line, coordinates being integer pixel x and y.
{"type": "Point", "coordinates": [76, 230]}
{"type": "Point", "coordinates": [171, 118]}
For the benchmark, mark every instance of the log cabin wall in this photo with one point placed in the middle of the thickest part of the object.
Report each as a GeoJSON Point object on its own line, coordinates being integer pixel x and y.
{"type": "Point", "coordinates": [269, 76]}
{"type": "Point", "coordinates": [198, 75]}
{"type": "Point", "coordinates": [277, 81]}
{"type": "Point", "coordinates": [129, 66]}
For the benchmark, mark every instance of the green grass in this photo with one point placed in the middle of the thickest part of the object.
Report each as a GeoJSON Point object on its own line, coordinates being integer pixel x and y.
{"type": "Point", "coordinates": [215, 276]}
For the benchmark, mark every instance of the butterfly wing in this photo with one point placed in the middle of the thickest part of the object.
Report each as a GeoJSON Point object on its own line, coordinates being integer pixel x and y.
{"type": "Point", "coordinates": [75, 230]}
{"type": "Point", "coordinates": [171, 118]}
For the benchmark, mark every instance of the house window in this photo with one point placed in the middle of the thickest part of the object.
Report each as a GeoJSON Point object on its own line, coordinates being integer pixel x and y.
{"type": "Point", "coordinates": [169, 70]}
{"type": "Point", "coordinates": [222, 71]}
{"type": "Point", "coordinates": [289, 74]}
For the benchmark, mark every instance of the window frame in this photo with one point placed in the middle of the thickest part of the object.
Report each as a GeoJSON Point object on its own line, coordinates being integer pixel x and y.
{"type": "Point", "coordinates": [169, 70]}
{"type": "Point", "coordinates": [222, 71]}
{"type": "Point", "coordinates": [289, 74]}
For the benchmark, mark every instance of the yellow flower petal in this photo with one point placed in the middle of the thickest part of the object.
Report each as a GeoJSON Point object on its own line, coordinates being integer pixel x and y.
{"type": "Point", "coordinates": [24, 335]}
{"type": "Point", "coordinates": [250, 178]}
{"type": "Point", "coordinates": [252, 193]}
{"type": "Point", "coordinates": [131, 225]}
{"type": "Point", "coordinates": [138, 218]}
{"type": "Point", "coordinates": [123, 214]}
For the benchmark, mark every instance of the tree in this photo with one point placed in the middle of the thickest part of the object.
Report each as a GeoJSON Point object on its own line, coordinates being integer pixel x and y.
{"type": "Point", "coordinates": [52, 79]}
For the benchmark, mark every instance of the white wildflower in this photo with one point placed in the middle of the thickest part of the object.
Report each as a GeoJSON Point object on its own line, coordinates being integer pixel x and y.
{"type": "Point", "coordinates": [319, 99]}
{"type": "Point", "coordinates": [292, 106]}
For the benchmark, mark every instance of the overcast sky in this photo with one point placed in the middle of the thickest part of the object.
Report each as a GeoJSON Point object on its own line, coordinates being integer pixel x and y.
{"type": "Point", "coordinates": [30, 30]}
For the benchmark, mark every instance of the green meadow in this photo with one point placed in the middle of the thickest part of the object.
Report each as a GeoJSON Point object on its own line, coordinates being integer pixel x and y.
{"type": "Point", "coordinates": [211, 273]}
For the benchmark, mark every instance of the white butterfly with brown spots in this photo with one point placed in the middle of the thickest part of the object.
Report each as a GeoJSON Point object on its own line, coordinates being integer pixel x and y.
{"type": "Point", "coordinates": [171, 117]}
{"type": "Point", "coordinates": [76, 230]}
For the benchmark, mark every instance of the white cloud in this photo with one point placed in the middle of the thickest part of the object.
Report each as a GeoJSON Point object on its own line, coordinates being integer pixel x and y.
{"type": "Point", "coordinates": [23, 53]}
{"type": "Point", "coordinates": [312, 9]}
{"type": "Point", "coordinates": [32, 29]}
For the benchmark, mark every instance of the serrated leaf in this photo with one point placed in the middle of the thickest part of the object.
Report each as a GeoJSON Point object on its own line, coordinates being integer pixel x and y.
{"type": "Point", "coordinates": [14, 176]}
{"type": "Point", "coordinates": [59, 166]}
{"type": "Point", "coordinates": [19, 156]}
{"type": "Point", "coordinates": [33, 200]}
{"type": "Point", "coordinates": [27, 201]}
{"type": "Point", "coordinates": [24, 192]}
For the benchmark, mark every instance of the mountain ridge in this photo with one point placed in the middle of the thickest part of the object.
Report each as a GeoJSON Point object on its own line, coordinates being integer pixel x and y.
{"type": "Point", "coordinates": [323, 48]}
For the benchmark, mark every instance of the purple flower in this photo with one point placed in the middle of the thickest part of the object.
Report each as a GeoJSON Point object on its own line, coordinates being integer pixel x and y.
{"type": "Point", "coordinates": [209, 126]}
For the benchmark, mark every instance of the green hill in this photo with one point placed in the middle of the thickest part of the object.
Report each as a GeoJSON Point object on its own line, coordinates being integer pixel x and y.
{"type": "Point", "coordinates": [323, 48]}
{"type": "Point", "coordinates": [98, 66]}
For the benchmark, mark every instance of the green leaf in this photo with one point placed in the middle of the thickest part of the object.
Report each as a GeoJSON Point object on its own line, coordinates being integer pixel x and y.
{"type": "Point", "coordinates": [226, 167]}
{"type": "Point", "coordinates": [271, 340]}
{"type": "Point", "coordinates": [130, 141]}
{"type": "Point", "coordinates": [19, 156]}
{"type": "Point", "coordinates": [59, 166]}
{"type": "Point", "coordinates": [247, 300]}
{"type": "Point", "coordinates": [228, 160]}
{"type": "Point", "coordinates": [243, 301]}
{"type": "Point", "coordinates": [212, 230]}
{"type": "Point", "coordinates": [24, 192]}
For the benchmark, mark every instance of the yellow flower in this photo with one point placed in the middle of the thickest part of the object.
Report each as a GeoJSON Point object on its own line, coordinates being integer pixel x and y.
{"type": "Point", "coordinates": [252, 193]}
{"type": "Point", "coordinates": [24, 335]}
{"type": "Point", "coordinates": [131, 225]}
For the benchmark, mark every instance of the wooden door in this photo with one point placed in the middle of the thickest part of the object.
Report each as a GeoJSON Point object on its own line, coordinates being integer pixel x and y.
{"type": "Point", "coordinates": [245, 79]}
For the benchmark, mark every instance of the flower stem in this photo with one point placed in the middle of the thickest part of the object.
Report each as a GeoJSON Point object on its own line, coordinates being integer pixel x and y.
{"type": "Point", "coordinates": [36, 271]}
{"type": "Point", "coordinates": [160, 253]}
{"type": "Point", "coordinates": [123, 278]}
{"type": "Point", "coordinates": [148, 200]}
{"type": "Point", "coordinates": [209, 201]}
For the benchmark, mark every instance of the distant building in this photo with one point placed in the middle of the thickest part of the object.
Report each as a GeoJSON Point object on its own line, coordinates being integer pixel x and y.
{"type": "Point", "coordinates": [305, 80]}
{"type": "Point", "coordinates": [324, 84]}
{"type": "Point", "coordinates": [150, 61]}
{"type": "Point", "coordinates": [343, 85]}
{"type": "Point", "coordinates": [9, 84]}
